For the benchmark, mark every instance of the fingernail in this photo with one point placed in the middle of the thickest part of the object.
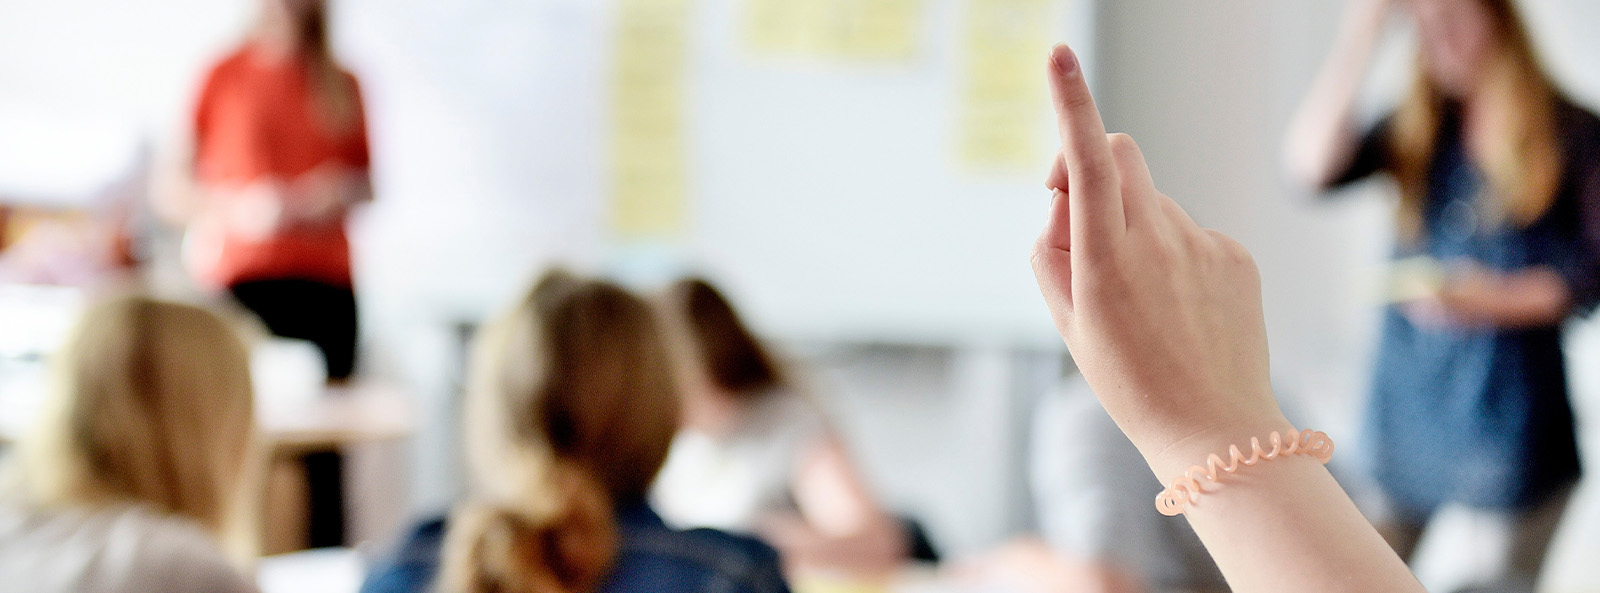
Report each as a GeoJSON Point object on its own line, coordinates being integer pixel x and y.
{"type": "Point", "coordinates": [1065, 60]}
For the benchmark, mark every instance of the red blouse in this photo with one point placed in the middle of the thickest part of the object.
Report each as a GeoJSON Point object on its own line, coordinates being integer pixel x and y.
{"type": "Point", "coordinates": [256, 119]}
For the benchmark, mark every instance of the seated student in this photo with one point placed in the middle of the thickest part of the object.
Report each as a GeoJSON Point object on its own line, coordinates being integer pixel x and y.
{"type": "Point", "coordinates": [1164, 319]}
{"type": "Point", "coordinates": [131, 480]}
{"type": "Point", "coordinates": [1091, 501]}
{"type": "Point", "coordinates": [755, 455]}
{"type": "Point", "coordinates": [569, 415]}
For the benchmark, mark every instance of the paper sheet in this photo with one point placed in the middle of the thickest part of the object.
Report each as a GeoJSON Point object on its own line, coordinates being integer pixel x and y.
{"type": "Point", "coordinates": [776, 26]}
{"type": "Point", "coordinates": [847, 29]}
{"type": "Point", "coordinates": [1413, 278]}
{"type": "Point", "coordinates": [1003, 97]}
{"type": "Point", "coordinates": [648, 145]}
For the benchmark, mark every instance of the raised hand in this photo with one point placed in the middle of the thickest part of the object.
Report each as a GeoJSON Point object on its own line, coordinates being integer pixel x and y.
{"type": "Point", "coordinates": [1163, 317]}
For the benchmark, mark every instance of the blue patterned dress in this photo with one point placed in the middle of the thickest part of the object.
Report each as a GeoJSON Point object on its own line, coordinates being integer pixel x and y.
{"type": "Point", "coordinates": [1480, 415]}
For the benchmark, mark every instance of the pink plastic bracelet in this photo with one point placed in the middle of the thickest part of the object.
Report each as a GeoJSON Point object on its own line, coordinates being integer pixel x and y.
{"type": "Point", "coordinates": [1186, 490]}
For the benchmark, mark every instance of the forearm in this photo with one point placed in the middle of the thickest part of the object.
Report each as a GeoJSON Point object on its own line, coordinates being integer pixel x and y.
{"type": "Point", "coordinates": [358, 188]}
{"type": "Point", "coordinates": [1322, 136]}
{"type": "Point", "coordinates": [325, 195]}
{"type": "Point", "coordinates": [1535, 297]}
{"type": "Point", "coordinates": [1283, 524]}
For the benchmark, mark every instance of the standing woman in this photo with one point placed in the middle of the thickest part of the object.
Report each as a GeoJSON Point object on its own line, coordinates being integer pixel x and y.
{"type": "Point", "coordinates": [279, 155]}
{"type": "Point", "coordinates": [1499, 176]}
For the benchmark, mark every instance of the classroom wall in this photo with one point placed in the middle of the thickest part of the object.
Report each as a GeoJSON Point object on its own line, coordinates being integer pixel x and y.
{"type": "Point", "coordinates": [1205, 86]}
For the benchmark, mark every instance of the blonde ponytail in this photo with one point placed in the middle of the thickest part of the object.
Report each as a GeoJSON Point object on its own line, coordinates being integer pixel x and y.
{"type": "Point", "coordinates": [508, 548]}
{"type": "Point", "coordinates": [570, 409]}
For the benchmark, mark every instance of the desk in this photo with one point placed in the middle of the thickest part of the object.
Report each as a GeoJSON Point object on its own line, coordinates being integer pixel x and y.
{"type": "Point", "coordinates": [341, 416]}
{"type": "Point", "coordinates": [299, 420]}
{"type": "Point", "coordinates": [360, 413]}
{"type": "Point", "coordinates": [306, 438]}
{"type": "Point", "coordinates": [292, 429]}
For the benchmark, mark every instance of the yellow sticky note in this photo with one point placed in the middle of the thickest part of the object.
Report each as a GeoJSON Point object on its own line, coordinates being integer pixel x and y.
{"type": "Point", "coordinates": [649, 181]}
{"type": "Point", "coordinates": [1413, 278]}
{"type": "Point", "coordinates": [1004, 99]}
{"type": "Point", "coordinates": [866, 29]}
{"type": "Point", "coordinates": [776, 26]}
{"type": "Point", "coordinates": [849, 29]}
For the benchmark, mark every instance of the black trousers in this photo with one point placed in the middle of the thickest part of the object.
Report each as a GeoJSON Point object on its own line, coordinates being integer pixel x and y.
{"type": "Point", "coordinates": [324, 315]}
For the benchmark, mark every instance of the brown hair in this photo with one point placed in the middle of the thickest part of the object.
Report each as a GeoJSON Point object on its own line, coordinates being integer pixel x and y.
{"type": "Point", "coordinates": [571, 409]}
{"type": "Point", "coordinates": [152, 404]}
{"type": "Point", "coordinates": [1524, 167]}
{"type": "Point", "coordinates": [336, 92]}
{"type": "Point", "coordinates": [732, 356]}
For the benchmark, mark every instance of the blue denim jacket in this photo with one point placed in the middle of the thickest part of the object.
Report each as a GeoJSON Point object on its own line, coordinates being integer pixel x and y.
{"type": "Point", "coordinates": [652, 557]}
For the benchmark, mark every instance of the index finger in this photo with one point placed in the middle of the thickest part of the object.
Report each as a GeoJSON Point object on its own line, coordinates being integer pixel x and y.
{"type": "Point", "coordinates": [1092, 184]}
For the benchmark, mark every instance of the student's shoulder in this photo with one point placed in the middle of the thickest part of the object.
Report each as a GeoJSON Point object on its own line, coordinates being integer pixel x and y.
{"type": "Point", "coordinates": [746, 563]}
{"type": "Point", "coordinates": [414, 564]}
{"type": "Point", "coordinates": [177, 552]}
{"type": "Point", "coordinates": [748, 553]}
{"type": "Point", "coordinates": [130, 548]}
{"type": "Point", "coordinates": [785, 410]}
{"type": "Point", "coordinates": [228, 67]}
{"type": "Point", "coordinates": [1580, 124]}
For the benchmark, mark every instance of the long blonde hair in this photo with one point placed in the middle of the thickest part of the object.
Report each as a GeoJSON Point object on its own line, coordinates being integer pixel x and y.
{"type": "Point", "coordinates": [570, 410]}
{"type": "Point", "coordinates": [1524, 166]}
{"type": "Point", "coordinates": [151, 404]}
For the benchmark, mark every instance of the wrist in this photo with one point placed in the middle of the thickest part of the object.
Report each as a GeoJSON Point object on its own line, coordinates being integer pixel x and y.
{"type": "Point", "coordinates": [1174, 457]}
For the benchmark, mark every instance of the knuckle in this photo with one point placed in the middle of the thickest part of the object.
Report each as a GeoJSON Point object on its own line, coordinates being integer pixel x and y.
{"type": "Point", "coordinates": [1058, 177]}
{"type": "Point", "coordinates": [1172, 251]}
{"type": "Point", "coordinates": [1231, 250]}
{"type": "Point", "coordinates": [1176, 213]}
{"type": "Point", "coordinates": [1096, 257]}
{"type": "Point", "coordinates": [1197, 242]}
{"type": "Point", "coordinates": [1107, 290]}
{"type": "Point", "coordinates": [1122, 144]}
{"type": "Point", "coordinates": [1044, 255]}
{"type": "Point", "coordinates": [1125, 150]}
{"type": "Point", "coordinates": [1094, 169]}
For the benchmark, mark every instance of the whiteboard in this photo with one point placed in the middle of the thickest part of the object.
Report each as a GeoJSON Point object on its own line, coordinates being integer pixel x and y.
{"type": "Point", "coordinates": [824, 193]}
{"type": "Point", "coordinates": [831, 200]}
